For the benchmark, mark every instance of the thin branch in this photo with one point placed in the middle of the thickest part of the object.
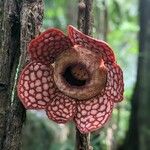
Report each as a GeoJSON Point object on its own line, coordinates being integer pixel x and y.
{"type": "Point", "coordinates": [85, 18]}
{"type": "Point", "coordinates": [85, 25]}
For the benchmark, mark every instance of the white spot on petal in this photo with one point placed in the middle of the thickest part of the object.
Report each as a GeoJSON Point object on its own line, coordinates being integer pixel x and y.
{"type": "Point", "coordinates": [26, 78]}
{"type": "Point", "coordinates": [108, 107]}
{"type": "Point", "coordinates": [32, 76]}
{"type": "Point", "coordinates": [91, 119]}
{"type": "Point", "coordinates": [100, 114]}
{"type": "Point", "coordinates": [39, 89]}
{"type": "Point", "coordinates": [115, 77]}
{"type": "Point", "coordinates": [26, 94]}
{"type": "Point", "coordinates": [41, 103]}
{"type": "Point", "coordinates": [100, 100]}
{"type": "Point", "coordinates": [31, 91]}
{"type": "Point", "coordinates": [102, 108]}
{"type": "Point", "coordinates": [66, 110]}
{"type": "Point", "coordinates": [88, 107]}
{"type": "Point", "coordinates": [82, 125]}
{"type": "Point", "coordinates": [26, 72]}
{"type": "Point", "coordinates": [115, 93]}
{"type": "Point", "coordinates": [32, 99]}
{"type": "Point", "coordinates": [21, 89]}
{"type": "Point", "coordinates": [45, 93]}
{"type": "Point", "coordinates": [47, 99]}
{"type": "Point", "coordinates": [26, 85]}
{"type": "Point", "coordinates": [46, 35]}
{"type": "Point", "coordinates": [32, 85]}
{"type": "Point", "coordinates": [46, 73]}
{"type": "Point", "coordinates": [34, 105]}
{"type": "Point", "coordinates": [95, 106]}
{"type": "Point", "coordinates": [39, 96]}
{"type": "Point", "coordinates": [88, 125]}
{"type": "Point", "coordinates": [37, 82]}
{"type": "Point", "coordinates": [50, 84]}
{"type": "Point", "coordinates": [104, 119]}
{"type": "Point", "coordinates": [36, 67]}
{"type": "Point", "coordinates": [61, 106]}
{"type": "Point", "coordinates": [100, 119]}
{"type": "Point", "coordinates": [45, 86]}
{"type": "Point", "coordinates": [96, 123]}
{"type": "Point", "coordinates": [115, 85]}
{"type": "Point", "coordinates": [93, 112]}
{"type": "Point", "coordinates": [79, 115]}
{"type": "Point", "coordinates": [39, 73]}
{"type": "Point", "coordinates": [44, 80]}
{"type": "Point", "coordinates": [83, 112]}
{"type": "Point", "coordinates": [55, 108]}
{"type": "Point", "coordinates": [28, 104]}
{"type": "Point", "coordinates": [83, 119]}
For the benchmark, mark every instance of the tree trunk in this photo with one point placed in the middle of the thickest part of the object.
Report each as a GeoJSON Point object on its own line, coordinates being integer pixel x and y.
{"type": "Point", "coordinates": [144, 97]}
{"type": "Point", "coordinates": [137, 137]}
{"type": "Point", "coordinates": [20, 21]}
{"type": "Point", "coordinates": [6, 57]}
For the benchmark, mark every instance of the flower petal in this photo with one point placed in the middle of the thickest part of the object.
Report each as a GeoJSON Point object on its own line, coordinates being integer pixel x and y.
{"type": "Point", "coordinates": [115, 85]}
{"type": "Point", "coordinates": [36, 86]}
{"type": "Point", "coordinates": [61, 109]}
{"type": "Point", "coordinates": [48, 45]}
{"type": "Point", "coordinates": [93, 114]}
{"type": "Point", "coordinates": [97, 46]}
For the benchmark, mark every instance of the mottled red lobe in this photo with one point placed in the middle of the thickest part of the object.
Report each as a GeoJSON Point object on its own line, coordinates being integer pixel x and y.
{"type": "Point", "coordinates": [115, 86]}
{"type": "Point", "coordinates": [97, 46]}
{"type": "Point", "coordinates": [47, 46]}
{"type": "Point", "coordinates": [93, 113]}
{"type": "Point", "coordinates": [62, 108]}
{"type": "Point", "coordinates": [36, 86]}
{"type": "Point", "coordinates": [37, 89]}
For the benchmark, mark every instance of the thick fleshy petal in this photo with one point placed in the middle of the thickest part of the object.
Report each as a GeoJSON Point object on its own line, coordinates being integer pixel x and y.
{"type": "Point", "coordinates": [97, 46]}
{"type": "Point", "coordinates": [36, 86]}
{"type": "Point", "coordinates": [115, 85]}
{"type": "Point", "coordinates": [48, 45]}
{"type": "Point", "coordinates": [93, 114]}
{"type": "Point", "coordinates": [61, 109]}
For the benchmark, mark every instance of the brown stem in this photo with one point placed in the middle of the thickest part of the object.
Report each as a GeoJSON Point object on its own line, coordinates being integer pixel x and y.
{"type": "Point", "coordinates": [85, 18]}
{"type": "Point", "coordinates": [82, 141]}
{"type": "Point", "coordinates": [85, 25]}
{"type": "Point", "coordinates": [105, 20]}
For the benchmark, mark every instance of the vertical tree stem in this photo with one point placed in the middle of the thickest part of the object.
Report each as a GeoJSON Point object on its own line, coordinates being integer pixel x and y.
{"type": "Point", "coordinates": [85, 18]}
{"type": "Point", "coordinates": [82, 141]}
{"type": "Point", "coordinates": [85, 25]}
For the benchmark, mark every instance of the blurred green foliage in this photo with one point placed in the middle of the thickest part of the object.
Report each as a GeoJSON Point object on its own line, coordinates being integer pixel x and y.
{"type": "Point", "coordinates": [42, 134]}
{"type": "Point", "coordinates": [39, 133]}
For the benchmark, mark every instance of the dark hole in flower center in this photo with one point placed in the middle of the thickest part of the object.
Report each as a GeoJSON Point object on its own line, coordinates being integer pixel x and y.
{"type": "Point", "coordinates": [76, 75]}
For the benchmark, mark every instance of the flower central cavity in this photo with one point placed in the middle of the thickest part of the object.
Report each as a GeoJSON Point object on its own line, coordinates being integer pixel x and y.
{"type": "Point", "coordinates": [76, 75]}
{"type": "Point", "coordinates": [80, 73]}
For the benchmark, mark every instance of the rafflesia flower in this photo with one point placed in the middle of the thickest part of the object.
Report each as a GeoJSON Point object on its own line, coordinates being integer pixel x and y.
{"type": "Point", "coordinates": [72, 77]}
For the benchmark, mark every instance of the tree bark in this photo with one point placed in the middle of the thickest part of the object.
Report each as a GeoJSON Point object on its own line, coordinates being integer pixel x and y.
{"type": "Point", "coordinates": [138, 134]}
{"type": "Point", "coordinates": [85, 20]}
{"type": "Point", "coordinates": [6, 57]}
{"type": "Point", "coordinates": [21, 21]}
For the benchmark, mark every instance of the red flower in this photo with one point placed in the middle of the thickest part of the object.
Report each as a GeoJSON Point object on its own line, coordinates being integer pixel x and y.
{"type": "Point", "coordinates": [71, 77]}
